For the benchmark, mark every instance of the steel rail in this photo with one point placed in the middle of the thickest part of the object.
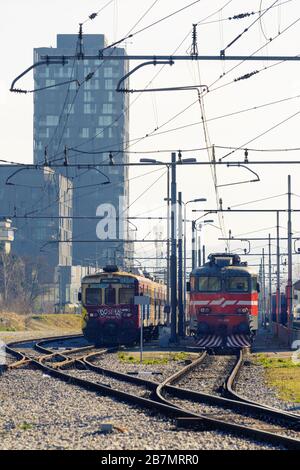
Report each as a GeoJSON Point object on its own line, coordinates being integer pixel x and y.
{"type": "Point", "coordinates": [199, 419]}
{"type": "Point", "coordinates": [184, 417]}
{"type": "Point", "coordinates": [229, 391]}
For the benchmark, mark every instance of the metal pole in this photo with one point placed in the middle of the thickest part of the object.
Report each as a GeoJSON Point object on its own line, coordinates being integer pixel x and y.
{"type": "Point", "coordinates": [184, 266]}
{"type": "Point", "coordinates": [180, 265]}
{"type": "Point", "coordinates": [173, 253]}
{"type": "Point", "coordinates": [142, 307]}
{"type": "Point", "coordinates": [270, 281]}
{"type": "Point", "coordinates": [193, 244]}
{"type": "Point", "coordinates": [290, 259]}
{"type": "Point", "coordinates": [199, 251]}
{"type": "Point", "coordinates": [203, 254]}
{"type": "Point", "coordinates": [263, 289]}
{"type": "Point", "coordinates": [278, 299]}
{"type": "Point", "coordinates": [168, 239]}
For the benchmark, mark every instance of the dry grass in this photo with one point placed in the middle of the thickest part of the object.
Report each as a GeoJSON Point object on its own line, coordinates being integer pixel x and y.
{"type": "Point", "coordinates": [12, 322]}
{"type": "Point", "coordinates": [16, 322]}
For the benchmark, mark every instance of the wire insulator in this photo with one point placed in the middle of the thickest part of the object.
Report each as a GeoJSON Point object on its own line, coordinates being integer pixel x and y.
{"type": "Point", "coordinates": [89, 76]}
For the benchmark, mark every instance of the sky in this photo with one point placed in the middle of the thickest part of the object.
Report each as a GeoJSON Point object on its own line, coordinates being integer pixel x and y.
{"type": "Point", "coordinates": [34, 23]}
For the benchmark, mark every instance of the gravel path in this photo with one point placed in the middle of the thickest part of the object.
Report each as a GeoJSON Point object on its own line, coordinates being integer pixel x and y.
{"type": "Point", "coordinates": [40, 412]}
{"type": "Point", "coordinates": [251, 383]}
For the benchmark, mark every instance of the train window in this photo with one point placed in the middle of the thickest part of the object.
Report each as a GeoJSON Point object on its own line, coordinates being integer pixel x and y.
{"type": "Point", "coordinates": [126, 296]}
{"type": "Point", "coordinates": [110, 296]}
{"type": "Point", "coordinates": [93, 296]}
{"type": "Point", "coordinates": [237, 284]}
{"type": "Point", "coordinates": [209, 284]}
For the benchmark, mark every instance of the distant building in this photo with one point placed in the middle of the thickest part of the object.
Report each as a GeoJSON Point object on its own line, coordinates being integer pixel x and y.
{"type": "Point", "coordinates": [39, 202]}
{"type": "Point", "coordinates": [90, 118]}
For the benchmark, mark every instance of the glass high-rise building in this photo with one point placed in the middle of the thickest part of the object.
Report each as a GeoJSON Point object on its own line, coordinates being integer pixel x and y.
{"type": "Point", "coordinates": [86, 116]}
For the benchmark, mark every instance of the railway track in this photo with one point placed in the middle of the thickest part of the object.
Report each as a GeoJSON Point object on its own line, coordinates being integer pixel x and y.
{"type": "Point", "coordinates": [190, 408]}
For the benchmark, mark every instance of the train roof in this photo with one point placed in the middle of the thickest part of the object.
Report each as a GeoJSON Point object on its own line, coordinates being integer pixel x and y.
{"type": "Point", "coordinates": [144, 279]}
{"type": "Point", "coordinates": [229, 263]}
{"type": "Point", "coordinates": [230, 270]}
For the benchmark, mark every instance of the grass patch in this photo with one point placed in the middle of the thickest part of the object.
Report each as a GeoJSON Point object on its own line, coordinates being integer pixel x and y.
{"type": "Point", "coordinates": [283, 375]}
{"type": "Point", "coordinates": [275, 362]}
{"type": "Point", "coordinates": [25, 426]}
{"type": "Point", "coordinates": [150, 358]}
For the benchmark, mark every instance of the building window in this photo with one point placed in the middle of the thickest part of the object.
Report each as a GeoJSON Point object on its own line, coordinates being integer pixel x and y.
{"type": "Point", "coordinates": [99, 133]}
{"type": "Point", "coordinates": [51, 120]}
{"type": "Point", "coordinates": [92, 84]}
{"type": "Point", "coordinates": [50, 82]}
{"type": "Point", "coordinates": [89, 108]}
{"type": "Point", "coordinates": [85, 132]}
{"type": "Point", "coordinates": [44, 133]}
{"type": "Point", "coordinates": [88, 96]}
{"type": "Point", "coordinates": [69, 109]}
{"type": "Point", "coordinates": [73, 86]}
{"type": "Point", "coordinates": [105, 120]}
{"type": "Point", "coordinates": [107, 108]}
{"type": "Point", "coordinates": [110, 96]}
{"type": "Point", "coordinates": [108, 84]}
{"type": "Point", "coordinates": [108, 72]}
{"type": "Point", "coordinates": [44, 73]}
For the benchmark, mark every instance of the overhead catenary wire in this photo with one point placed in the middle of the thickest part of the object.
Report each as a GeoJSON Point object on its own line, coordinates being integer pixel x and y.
{"type": "Point", "coordinates": [131, 104]}
{"type": "Point", "coordinates": [247, 29]}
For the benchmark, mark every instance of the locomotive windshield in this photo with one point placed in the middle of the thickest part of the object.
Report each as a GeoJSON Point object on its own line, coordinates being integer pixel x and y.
{"type": "Point", "coordinates": [126, 295]}
{"type": "Point", "coordinates": [93, 296]}
{"type": "Point", "coordinates": [237, 284]}
{"type": "Point", "coordinates": [207, 284]}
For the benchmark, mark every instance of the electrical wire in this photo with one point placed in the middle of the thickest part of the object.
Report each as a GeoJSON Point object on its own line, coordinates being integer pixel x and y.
{"type": "Point", "coordinates": [248, 28]}
{"type": "Point", "coordinates": [275, 126]}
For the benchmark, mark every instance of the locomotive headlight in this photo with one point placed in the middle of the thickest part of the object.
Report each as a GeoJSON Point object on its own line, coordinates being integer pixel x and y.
{"type": "Point", "coordinates": [204, 310]}
{"type": "Point", "coordinates": [242, 310]}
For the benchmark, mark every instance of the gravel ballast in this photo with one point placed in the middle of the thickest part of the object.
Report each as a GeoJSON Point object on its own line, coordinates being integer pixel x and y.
{"type": "Point", "coordinates": [40, 412]}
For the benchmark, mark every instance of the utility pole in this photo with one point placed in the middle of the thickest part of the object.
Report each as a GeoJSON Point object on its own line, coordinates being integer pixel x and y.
{"type": "Point", "coordinates": [194, 254]}
{"type": "Point", "coordinates": [290, 259]}
{"type": "Point", "coordinates": [199, 250]}
{"type": "Point", "coordinates": [270, 280]}
{"type": "Point", "coordinates": [278, 299]}
{"type": "Point", "coordinates": [168, 237]}
{"type": "Point", "coordinates": [173, 252]}
{"type": "Point", "coordinates": [181, 329]}
{"type": "Point", "coordinates": [263, 289]}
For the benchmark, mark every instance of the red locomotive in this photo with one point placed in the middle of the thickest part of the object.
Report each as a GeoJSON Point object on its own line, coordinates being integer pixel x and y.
{"type": "Point", "coordinates": [223, 302]}
{"type": "Point", "coordinates": [109, 313]}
